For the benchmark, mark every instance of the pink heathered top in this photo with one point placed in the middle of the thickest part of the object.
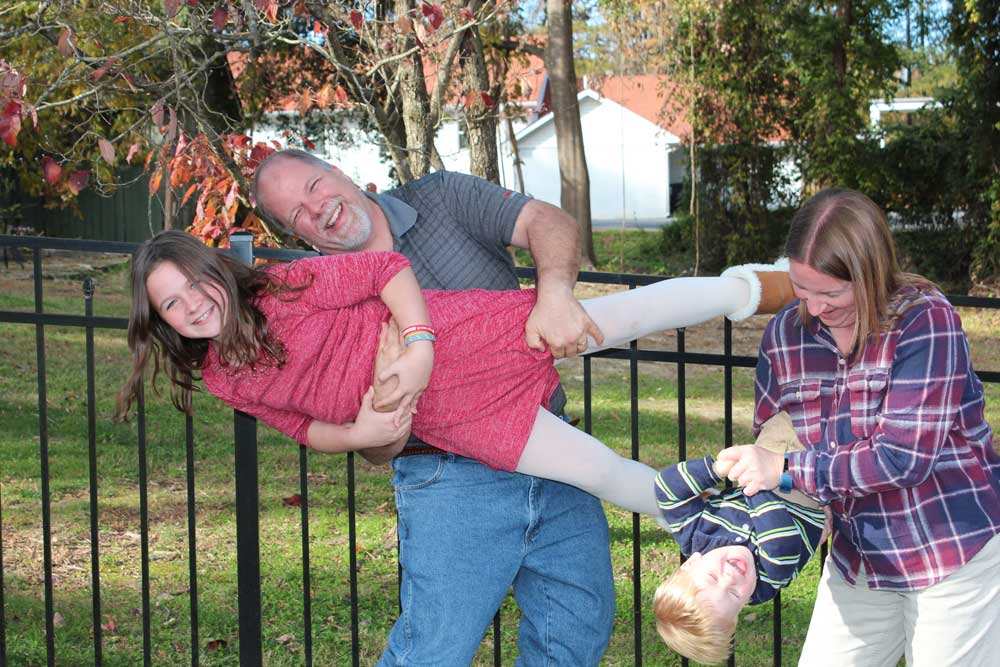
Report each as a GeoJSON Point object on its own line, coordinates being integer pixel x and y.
{"type": "Point", "coordinates": [485, 388]}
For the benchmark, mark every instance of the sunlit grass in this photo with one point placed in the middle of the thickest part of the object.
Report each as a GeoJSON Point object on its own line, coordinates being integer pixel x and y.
{"type": "Point", "coordinates": [119, 536]}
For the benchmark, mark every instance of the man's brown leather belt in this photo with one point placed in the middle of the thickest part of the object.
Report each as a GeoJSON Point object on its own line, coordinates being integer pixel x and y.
{"type": "Point", "coordinates": [421, 449]}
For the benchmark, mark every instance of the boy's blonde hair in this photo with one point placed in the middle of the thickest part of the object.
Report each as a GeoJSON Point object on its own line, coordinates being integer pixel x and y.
{"type": "Point", "coordinates": [689, 626]}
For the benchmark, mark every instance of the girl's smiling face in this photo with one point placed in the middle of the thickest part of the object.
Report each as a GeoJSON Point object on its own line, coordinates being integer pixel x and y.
{"type": "Point", "coordinates": [191, 308]}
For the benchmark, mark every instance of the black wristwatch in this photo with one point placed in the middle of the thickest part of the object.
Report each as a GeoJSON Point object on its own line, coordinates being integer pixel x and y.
{"type": "Point", "coordinates": [785, 485]}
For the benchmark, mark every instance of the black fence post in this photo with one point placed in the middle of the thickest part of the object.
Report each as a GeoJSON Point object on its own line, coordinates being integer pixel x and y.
{"type": "Point", "coordinates": [247, 510]}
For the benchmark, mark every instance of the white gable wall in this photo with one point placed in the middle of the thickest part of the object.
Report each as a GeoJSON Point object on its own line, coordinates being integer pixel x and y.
{"type": "Point", "coordinates": [628, 157]}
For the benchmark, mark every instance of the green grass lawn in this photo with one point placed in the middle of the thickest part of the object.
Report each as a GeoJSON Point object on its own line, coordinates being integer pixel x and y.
{"type": "Point", "coordinates": [119, 511]}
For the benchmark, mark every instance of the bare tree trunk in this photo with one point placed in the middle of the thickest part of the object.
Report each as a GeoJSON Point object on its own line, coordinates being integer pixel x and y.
{"type": "Point", "coordinates": [843, 12]}
{"type": "Point", "coordinates": [575, 180]}
{"type": "Point", "coordinates": [693, 206]}
{"type": "Point", "coordinates": [416, 106]}
{"type": "Point", "coordinates": [169, 205]}
{"type": "Point", "coordinates": [516, 155]}
{"type": "Point", "coordinates": [480, 117]}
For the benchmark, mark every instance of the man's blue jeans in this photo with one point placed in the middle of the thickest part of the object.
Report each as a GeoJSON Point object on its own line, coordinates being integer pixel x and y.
{"type": "Point", "coordinates": [467, 534]}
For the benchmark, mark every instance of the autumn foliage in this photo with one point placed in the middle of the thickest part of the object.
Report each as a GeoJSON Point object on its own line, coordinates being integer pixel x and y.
{"type": "Point", "coordinates": [123, 81]}
{"type": "Point", "coordinates": [196, 171]}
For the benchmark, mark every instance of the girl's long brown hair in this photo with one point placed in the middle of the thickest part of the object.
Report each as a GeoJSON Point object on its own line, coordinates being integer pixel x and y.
{"type": "Point", "coordinates": [844, 234]}
{"type": "Point", "coordinates": [243, 341]}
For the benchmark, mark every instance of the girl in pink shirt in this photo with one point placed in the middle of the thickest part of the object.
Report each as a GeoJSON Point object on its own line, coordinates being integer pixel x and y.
{"type": "Point", "coordinates": [295, 345]}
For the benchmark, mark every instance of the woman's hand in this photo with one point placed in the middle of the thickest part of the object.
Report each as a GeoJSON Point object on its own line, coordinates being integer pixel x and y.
{"type": "Point", "coordinates": [753, 468]}
{"type": "Point", "coordinates": [413, 372]}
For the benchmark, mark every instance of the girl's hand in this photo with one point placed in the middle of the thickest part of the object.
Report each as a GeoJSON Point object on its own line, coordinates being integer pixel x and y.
{"type": "Point", "coordinates": [390, 348]}
{"type": "Point", "coordinates": [378, 429]}
{"type": "Point", "coordinates": [413, 371]}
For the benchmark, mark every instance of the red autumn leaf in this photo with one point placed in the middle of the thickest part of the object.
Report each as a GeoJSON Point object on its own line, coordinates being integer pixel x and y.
{"type": "Point", "coordinates": [371, 187]}
{"type": "Point", "coordinates": [171, 7]}
{"type": "Point", "coordinates": [157, 112]}
{"type": "Point", "coordinates": [307, 143]}
{"type": "Point", "coordinates": [433, 14]}
{"type": "Point", "coordinates": [325, 96]}
{"type": "Point", "coordinates": [220, 17]}
{"type": "Point", "coordinates": [154, 181]}
{"type": "Point", "coordinates": [216, 644]}
{"type": "Point", "coordinates": [240, 140]}
{"type": "Point", "coordinates": [132, 150]}
{"type": "Point", "coordinates": [107, 150]}
{"type": "Point", "coordinates": [98, 73]}
{"type": "Point", "coordinates": [172, 125]}
{"type": "Point", "coordinates": [467, 14]}
{"type": "Point", "coordinates": [121, 19]}
{"type": "Point", "coordinates": [487, 99]}
{"type": "Point", "coordinates": [10, 123]}
{"type": "Point", "coordinates": [109, 626]}
{"type": "Point", "coordinates": [258, 154]}
{"type": "Point", "coordinates": [187, 195]}
{"type": "Point", "coordinates": [64, 45]}
{"type": "Point", "coordinates": [51, 170]}
{"type": "Point", "coordinates": [293, 500]}
{"type": "Point", "coordinates": [340, 95]}
{"type": "Point", "coordinates": [305, 102]}
{"type": "Point", "coordinates": [357, 20]}
{"type": "Point", "coordinates": [267, 7]}
{"type": "Point", "coordinates": [78, 181]}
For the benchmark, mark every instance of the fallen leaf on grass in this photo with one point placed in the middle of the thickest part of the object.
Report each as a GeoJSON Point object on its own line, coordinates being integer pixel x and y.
{"type": "Point", "coordinates": [216, 644]}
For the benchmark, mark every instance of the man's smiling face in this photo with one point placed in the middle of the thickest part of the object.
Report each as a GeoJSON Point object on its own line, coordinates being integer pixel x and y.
{"type": "Point", "coordinates": [322, 206]}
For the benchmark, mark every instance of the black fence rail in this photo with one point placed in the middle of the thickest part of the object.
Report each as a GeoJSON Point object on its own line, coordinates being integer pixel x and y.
{"type": "Point", "coordinates": [246, 469]}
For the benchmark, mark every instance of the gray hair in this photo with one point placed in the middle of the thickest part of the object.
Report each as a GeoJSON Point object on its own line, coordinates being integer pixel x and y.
{"type": "Point", "coordinates": [273, 159]}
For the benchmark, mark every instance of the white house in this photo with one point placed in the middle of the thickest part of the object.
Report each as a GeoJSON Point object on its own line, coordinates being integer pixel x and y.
{"type": "Point", "coordinates": [635, 160]}
{"type": "Point", "coordinates": [632, 160]}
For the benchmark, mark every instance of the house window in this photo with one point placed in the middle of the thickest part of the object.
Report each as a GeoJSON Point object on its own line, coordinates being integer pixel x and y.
{"type": "Point", "coordinates": [463, 137]}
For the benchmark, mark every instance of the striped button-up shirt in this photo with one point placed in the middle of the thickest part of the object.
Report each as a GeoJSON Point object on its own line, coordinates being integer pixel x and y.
{"type": "Point", "coordinates": [781, 535]}
{"type": "Point", "coordinates": [896, 442]}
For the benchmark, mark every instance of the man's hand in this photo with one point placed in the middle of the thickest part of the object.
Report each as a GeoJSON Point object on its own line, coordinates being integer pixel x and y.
{"type": "Point", "coordinates": [390, 348]}
{"type": "Point", "coordinates": [753, 468]}
{"type": "Point", "coordinates": [559, 321]}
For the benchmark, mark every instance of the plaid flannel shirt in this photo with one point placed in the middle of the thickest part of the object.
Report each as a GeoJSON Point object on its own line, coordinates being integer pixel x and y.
{"type": "Point", "coordinates": [896, 443]}
{"type": "Point", "coordinates": [782, 535]}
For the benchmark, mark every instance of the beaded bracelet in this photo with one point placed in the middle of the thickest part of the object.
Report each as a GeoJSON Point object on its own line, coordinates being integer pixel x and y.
{"type": "Point", "coordinates": [417, 327]}
{"type": "Point", "coordinates": [418, 335]}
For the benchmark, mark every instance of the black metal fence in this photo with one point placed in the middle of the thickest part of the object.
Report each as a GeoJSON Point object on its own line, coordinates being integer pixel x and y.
{"type": "Point", "coordinates": [246, 469]}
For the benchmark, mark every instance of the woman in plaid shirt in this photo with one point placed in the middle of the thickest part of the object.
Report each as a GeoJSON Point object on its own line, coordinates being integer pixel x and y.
{"type": "Point", "coordinates": [873, 366]}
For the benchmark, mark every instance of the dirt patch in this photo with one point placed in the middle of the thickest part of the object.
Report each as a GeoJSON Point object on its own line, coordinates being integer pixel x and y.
{"type": "Point", "coordinates": [61, 265]}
